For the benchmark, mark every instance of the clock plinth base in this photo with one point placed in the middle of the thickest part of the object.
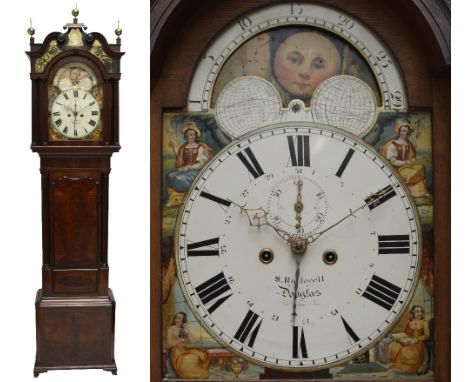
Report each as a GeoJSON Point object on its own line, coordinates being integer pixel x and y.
{"type": "Point", "coordinates": [75, 333]}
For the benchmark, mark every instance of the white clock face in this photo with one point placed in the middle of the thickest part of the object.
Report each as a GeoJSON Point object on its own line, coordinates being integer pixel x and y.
{"type": "Point", "coordinates": [298, 247]}
{"type": "Point", "coordinates": [75, 113]}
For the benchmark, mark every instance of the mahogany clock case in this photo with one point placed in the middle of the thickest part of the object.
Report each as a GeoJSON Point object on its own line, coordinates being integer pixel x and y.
{"type": "Point", "coordinates": [91, 176]}
{"type": "Point", "coordinates": [410, 29]}
{"type": "Point", "coordinates": [75, 309]}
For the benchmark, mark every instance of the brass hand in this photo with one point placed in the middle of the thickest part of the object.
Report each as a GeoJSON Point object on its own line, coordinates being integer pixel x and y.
{"type": "Point", "coordinates": [298, 206]}
{"type": "Point", "coordinates": [74, 119]}
{"type": "Point", "coordinates": [83, 108]}
{"type": "Point", "coordinates": [296, 284]}
{"type": "Point", "coordinates": [258, 217]}
{"type": "Point", "coordinates": [311, 238]}
{"type": "Point", "coordinates": [373, 199]}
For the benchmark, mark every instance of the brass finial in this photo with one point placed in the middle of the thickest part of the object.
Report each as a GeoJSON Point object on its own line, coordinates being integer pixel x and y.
{"type": "Point", "coordinates": [31, 30]}
{"type": "Point", "coordinates": [118, 30]}
{"type": "Point", "coordinates": [75, 12]}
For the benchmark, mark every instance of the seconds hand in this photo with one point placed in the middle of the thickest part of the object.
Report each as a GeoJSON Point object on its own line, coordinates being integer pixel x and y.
{"type": "Point", "coordinates": [75, 113]}
{"type": "Point", "coordinates": [296, 284]}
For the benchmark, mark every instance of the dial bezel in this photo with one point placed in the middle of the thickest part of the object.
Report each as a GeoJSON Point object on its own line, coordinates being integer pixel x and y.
{"type": "Point", "coordinates": [93, 128]}
{"type": "Point", "coordinates": [374, 51]}
{"type": "Point", "coordinates": [381, 334]}
{"type": "Point", "coordinates": [98, 90]}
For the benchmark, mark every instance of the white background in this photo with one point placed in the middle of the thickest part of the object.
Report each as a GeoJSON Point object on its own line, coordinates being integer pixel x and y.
{"type": "Point", "coordinates": [20, 224]}
{"type": "Point", "coordinates": [20, 190]}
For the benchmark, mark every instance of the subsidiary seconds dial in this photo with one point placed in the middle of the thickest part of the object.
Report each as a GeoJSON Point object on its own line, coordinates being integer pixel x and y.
{"type": "Point", "coordinates": [298, 247]}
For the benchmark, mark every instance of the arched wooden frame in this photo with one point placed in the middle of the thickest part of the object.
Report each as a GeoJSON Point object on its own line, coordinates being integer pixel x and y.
{"type": "Point", "coordinates": [108, 78]}
{"type": "Point", "coordinates": [418, 33]}
{"type": "Point", "coordinates": [99, 71]}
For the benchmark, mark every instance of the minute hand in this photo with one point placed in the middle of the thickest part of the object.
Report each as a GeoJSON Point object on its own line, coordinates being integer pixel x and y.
{"type": "Point", "coordinates": [374, 200]}
{"type": "Point", "coordinates": [316, 235]}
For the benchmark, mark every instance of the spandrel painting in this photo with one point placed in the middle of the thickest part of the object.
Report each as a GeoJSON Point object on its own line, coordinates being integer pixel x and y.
{"type": "Point", "coordinates": [294, 68]}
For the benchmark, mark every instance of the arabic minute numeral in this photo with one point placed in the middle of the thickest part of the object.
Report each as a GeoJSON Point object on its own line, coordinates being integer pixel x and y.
{"type": "Point", "coordinates": [206, 55]}
{"type": "Point", "coordinates": [276, 193]}
{"type": "Point", "coordinates": [276, 219]}
{"type": "Point", "coordinates": [245, 22]}
{"type": "Point", "coordinates": [383, 59]}
{"type": "Point", "coordinates": [319, 218]}
{"type": "Point", "coordinates": [345, 21]}
{"type": "Point", "coordinates": [296, 9]}
{"type": "Point", "coordinates": [397, 99]}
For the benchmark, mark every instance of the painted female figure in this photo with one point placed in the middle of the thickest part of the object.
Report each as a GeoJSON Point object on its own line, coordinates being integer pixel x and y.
{"type": "Point", "coordinates": [412, 356]}
{"type": "Point", "coordinates": [190, 158]}
{"type": "Point", "coordinates": [185, 363]}
{"type": "Point", "coordinates": [401, 153]}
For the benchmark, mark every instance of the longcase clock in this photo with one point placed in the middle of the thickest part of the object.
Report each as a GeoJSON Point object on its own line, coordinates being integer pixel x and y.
{"type": "Point", "coordinates": [75, 130]}
{"type": "Point", "coordinates": [300, 190]}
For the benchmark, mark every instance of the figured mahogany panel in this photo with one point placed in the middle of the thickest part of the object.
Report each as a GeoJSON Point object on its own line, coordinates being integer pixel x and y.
{"type": "Point", "coordinates": [79, 282]}
{"type": "Point", "coordinates": [75, 209]}
{"type": "Point", "coordinates": [77, 332]}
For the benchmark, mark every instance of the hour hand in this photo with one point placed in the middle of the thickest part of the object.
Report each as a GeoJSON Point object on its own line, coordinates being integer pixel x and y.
{"type": "Point", "coordinates": [299, 206]}
{"type": "Point", "coordinates": [258, 217]}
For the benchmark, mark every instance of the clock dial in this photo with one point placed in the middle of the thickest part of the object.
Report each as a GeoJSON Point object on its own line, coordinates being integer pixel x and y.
{"type": "Point", "coordinates": [309, 249]}
{"type": "Point", "coordinates": [76, 103]}
{"type": "Point", "coordinates": [249, 30]}
{"type": "Point", "coordinates": [75, 113]}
